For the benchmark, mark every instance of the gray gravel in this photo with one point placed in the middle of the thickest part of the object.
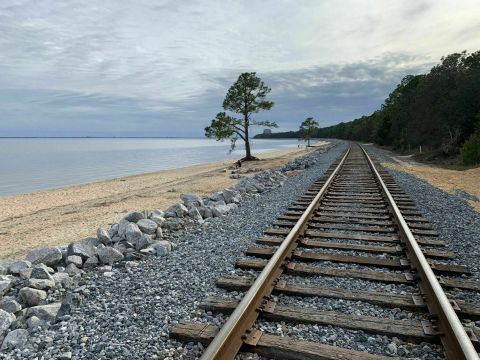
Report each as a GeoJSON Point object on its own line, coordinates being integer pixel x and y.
{"type": "Point", "coordinates": [451, 215]}
{"type": "Point", "coordinates": [127, 312]}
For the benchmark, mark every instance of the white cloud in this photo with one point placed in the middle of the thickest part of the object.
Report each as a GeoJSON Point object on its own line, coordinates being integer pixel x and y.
{"type": "Point", "coordinates": [166, 54]}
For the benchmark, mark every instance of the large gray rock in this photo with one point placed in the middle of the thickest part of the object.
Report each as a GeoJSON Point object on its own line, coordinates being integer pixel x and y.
{"type": "Point", "coordinates": [159, 219]}
{"type": "Point", "coordinates": [44, 312]}
{"type": "Point", "coordinates": [215, 211]}
{"type": "Point", "coordinates": [84, 248]}
{"type": "Point", "coordinates": [205, 212]}
{"type": "Point", "coordinates": [134, 216]}
{"type": "Point", "coordinates": [162, 247]}
{"type": "Point", "coordinates": [143, 242]}
{"type": "Point", "coordinates": [176, 210]}
{"type": "Point", "coordinates": [113, 231]}
{"type": "Point", "coordinates": [147, 226]}
{"type": "Point", "coordinates": [40, 271]}
{"type": "Point", "coordinates": [133, 233]}
{"type": "Point", "coordinates": [91, 262]}
{"type": "Point", "coordinates": [72, 270]}
{"type": "Point", "coordinates": [217, 196]}
{"type": "Point", "coordinates": [10, 305]}
{"type": "Point", "coordinates": [6, 283]}
{"type": "Point", "coordinates": [75, 260]}
{"type": "Point", "coordinates": [41, 284]}
{"type": "Point", "coordinates": [159, 233]}
{"type": "Point", "coordinates": [62, 279]}
{"type": "Point", "coordinates": [15, 339]}
{"type": "Point", "coordinates": [32, 297]}
{"type": "Point", "coordinates": [122, 228]}
{"type": "Point", "coordinates": [103, 236]}
{"type": "Point", "coordinates": [25, 273]}
{"type": "Point", "coordinates": [220, 210]}
{"type": "Point", "coordinates": [194, 214]}
{"type": "Point", "coordinates": [48, 256]}
{"type": "Point", "coordinates": [6, 320]}
{"type": "Point", "coordinates": [109, 255]}
{"type": "Point", "coordinates": [211, 203]}
{"type": "Point", "coordinates": [34, 322]}
{"type": "Point", "coordinates": [173, 224]}
{"type": "Point", "coordinates": [16, 266]}
{"type": "Point", "coordinates": [228, 195]}
{"type": "Point", "coordinates": [194, 200]}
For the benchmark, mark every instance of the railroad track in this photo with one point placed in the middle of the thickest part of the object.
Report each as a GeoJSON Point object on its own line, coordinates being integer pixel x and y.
{"type": "Point", "coordinates": [353, 223]}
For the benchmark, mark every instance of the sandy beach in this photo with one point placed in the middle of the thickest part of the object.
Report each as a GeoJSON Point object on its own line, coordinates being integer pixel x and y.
{"type": "Point", "coordinates": [59, 216]}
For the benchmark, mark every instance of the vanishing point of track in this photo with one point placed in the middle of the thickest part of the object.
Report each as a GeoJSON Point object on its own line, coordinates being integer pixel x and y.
{"type": "Point", "coordinates": [351, 207]}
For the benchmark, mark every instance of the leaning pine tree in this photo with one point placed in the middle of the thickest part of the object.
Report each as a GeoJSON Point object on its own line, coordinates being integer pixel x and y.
{"type": "Point", "coordinates": [245, 97]}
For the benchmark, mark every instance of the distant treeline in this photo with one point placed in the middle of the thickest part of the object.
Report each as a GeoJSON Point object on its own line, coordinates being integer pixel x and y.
{"type": "Point", "coordinates": [439, 111]}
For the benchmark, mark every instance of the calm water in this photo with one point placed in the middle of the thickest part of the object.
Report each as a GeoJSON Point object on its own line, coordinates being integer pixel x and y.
{"type": "Point", "coordinates": [35, 164]}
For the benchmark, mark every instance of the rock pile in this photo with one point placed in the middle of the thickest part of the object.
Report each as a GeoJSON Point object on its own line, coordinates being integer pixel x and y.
{"type": "Point", "coordinates": [31, 290]}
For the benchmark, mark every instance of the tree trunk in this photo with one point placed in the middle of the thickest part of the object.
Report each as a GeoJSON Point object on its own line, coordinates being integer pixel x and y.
{"type": "Point", "coordinates": [308, 142]}
{"type": "Point", "coordinates": [248, 154]}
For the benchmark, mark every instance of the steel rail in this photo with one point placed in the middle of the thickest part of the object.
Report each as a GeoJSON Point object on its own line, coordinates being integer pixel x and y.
{"type": "Point", "coordinates": [231, 336]}
{"type": "Point", "coordinates": [455, 340]}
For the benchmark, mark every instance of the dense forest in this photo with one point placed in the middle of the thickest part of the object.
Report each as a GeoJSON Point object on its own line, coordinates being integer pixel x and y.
{"type": "Point", "coordinates": [439, 111]}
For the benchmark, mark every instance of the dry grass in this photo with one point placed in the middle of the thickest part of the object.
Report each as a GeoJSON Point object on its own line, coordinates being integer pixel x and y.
{"type": "Point", "coordinates": [59, 216]}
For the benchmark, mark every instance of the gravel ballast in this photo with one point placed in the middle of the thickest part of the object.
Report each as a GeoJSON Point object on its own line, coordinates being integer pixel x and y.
{"type": "Point", "coordinates": [126, 312]}
{"type": "Point", "coordinates": [450, 214]}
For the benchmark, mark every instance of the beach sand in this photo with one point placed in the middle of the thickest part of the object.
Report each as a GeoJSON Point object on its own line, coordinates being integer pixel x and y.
{"type": "Point", "coordinates": [59, 216]}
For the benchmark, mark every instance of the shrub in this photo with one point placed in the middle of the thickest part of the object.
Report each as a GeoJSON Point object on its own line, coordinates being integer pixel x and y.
{"type": "Point", "coordinates": [471, 149]}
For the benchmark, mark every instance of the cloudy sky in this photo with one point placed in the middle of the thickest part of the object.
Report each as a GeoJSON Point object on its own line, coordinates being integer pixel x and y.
{"type": "Point", "coordinates": [161, 68]}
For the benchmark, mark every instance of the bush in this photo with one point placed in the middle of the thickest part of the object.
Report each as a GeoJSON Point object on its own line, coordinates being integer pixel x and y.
{"type": "Point", "coordinates": [471, 150]}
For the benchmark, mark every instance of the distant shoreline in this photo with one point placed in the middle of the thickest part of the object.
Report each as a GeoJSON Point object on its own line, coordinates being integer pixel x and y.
{"type": "Point", "coordinates": [118, 137]}
{"type": "Point", "coordinates": [57, 216]}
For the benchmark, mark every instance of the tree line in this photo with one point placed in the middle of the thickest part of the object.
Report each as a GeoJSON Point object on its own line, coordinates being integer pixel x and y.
{"type": "Point", "coordinates": [438, 111]}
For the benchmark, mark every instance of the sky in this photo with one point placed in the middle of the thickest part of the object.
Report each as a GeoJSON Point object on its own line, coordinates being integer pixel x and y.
{"type": "Point", "coordinates": [162, 68]}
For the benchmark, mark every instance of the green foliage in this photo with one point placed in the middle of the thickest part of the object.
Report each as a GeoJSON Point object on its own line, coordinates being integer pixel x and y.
{"type": "Point", "coordinates": [307, 129]}
{"type": "Point", "coordinates": [437, 110]}
{"type": "Point", "coordinates": [471, 148]}
{"type": "Point", "coordinates": [245, 97]}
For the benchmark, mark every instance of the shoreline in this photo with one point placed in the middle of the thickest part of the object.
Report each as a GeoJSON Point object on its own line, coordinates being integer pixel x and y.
{"type": "Point", "coordinates": [58, 216]}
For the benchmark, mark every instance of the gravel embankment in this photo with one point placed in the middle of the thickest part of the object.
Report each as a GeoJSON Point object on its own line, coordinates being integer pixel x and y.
{"type": "Point", "coordinates": [451, 215]}
{"type": "Point", "coordinates": [126, 313]}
